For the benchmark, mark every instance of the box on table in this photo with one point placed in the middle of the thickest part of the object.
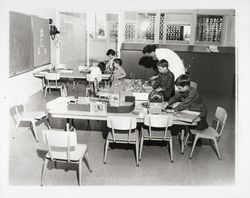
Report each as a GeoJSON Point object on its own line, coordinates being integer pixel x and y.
{"type": "Point", "coordinates": [120, 107]}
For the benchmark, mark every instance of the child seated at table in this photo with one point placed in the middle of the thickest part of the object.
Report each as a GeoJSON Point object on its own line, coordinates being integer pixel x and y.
{"type": "Point", "coordinates": [102, 67]}
{"type": "Point", "coordinates": [111, 56]}
{"type": "Point", "coordinates": [118, 72]}
{"type": "Point", "coordinates": [189, 99]}
{"type": "Point", "coordinates": [164, 84]}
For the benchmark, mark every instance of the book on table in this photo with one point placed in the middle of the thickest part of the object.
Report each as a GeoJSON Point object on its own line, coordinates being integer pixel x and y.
{"type": "Point", "coordinates": [186, 116]}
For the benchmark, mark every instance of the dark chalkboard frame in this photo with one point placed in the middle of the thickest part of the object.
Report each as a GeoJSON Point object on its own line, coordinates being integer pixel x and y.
{"type": "Point", "coordinates": [23, 41]}
{"type": "Point", "coordinates": [21, 57]}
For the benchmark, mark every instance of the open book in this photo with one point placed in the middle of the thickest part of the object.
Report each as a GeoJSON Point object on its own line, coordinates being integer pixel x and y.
{"type": "Point", "coordinates": [186, 116]}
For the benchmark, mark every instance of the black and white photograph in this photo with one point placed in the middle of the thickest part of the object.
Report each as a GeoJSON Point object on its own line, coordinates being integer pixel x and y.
{"type": "Point", "coordinates": [125, 98]}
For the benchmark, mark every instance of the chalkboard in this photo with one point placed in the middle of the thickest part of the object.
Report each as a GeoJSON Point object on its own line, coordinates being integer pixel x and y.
{"type": "Point", "coordinates": [29, 43]}
{"type": "Point", "coordinates": [41, 41]}
{"type": "Point", "coordinates": [20, 43]}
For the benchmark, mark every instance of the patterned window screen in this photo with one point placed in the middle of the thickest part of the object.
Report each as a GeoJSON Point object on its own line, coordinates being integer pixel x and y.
{"type": "Point", "coordinates": [209, 28]}
{"type": "Point", "coordinates": [130, 31]}
{"type": "Point", "coordinates": [146, 26]}
{"type": "Point", "coordinates": [113, 30]}
{"type": "Point", "coordinates": [174, 32]}
{"type": "Point", "coordinates": [161, 32]}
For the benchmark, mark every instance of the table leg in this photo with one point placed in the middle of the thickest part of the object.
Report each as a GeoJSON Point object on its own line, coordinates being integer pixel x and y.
{"type": "Point", "coordinates": [43, 84]}
{"type": "Point", "coordinates": [67, 124]}
{"type": "Point", "coordinates": [182, 140]}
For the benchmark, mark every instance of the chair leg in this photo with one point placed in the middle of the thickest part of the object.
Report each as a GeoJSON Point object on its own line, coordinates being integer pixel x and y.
{"type": "Point", "coordinates": [87, 160]}
{"type": "Point", "coordinates": [47, 123]}
{"type": "Point", "coordinates": [80, 172]}
{"type": "Point", "coordinates": [106, 150]}
{"type": "Point", "coordinates": [74, 82]}
{"type": "Point", "coordinates": [185, 143]}
{"type": "Point", "coordinates": [195, 141]}
{"type": "Point", "coordinates": [217, 149]}
{"type": "Point", "coordinates": [171, 149]}
{"type": "Point", "coordinates": [141, 145]}
{"type": "Point", "coordinates": [17, 125]}
{"type": "Point", "coordinates": [45, 91]}
{"type": "Point", "coordinates": [34, 129]}
{"type": "Point", "coordinates": [44, 170]}
{"type": "Point", "coordinates": [137, 152]}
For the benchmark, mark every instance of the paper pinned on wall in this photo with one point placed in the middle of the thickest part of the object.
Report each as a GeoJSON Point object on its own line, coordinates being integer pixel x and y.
{"type": "Point", "coordinates": [213, 48]}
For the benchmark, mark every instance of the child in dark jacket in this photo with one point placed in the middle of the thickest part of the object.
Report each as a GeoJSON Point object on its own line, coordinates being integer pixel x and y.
{"type": "Point", "coordinates": [189, 100]}
{"type": "Point", "coordinates": [165, 80]}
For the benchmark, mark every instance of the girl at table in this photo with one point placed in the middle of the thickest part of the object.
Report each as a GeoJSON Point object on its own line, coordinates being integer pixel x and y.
{"type": "Point", "coordinates": [118, 72]}
{"type": "Point", "coordinates": [189, 99]}
{"type": "Point", "coordinates": [111, 56]}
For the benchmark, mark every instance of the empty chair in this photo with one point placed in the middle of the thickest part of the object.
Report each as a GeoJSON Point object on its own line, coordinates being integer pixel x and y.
{"type": "Point", "coordinates": [52, 82]}
{"type": "Point", "coordinates": [155, 122]}
{"type": "Point", "coordinates": [123, 131]}
{"type": "Point", "coordinates": [21, 115]}
{"type": "Point", "coordinates": [63, 148]}
{"type": "Point", "coordinates": [211, 133]}
{"type": "Point", "coordinates": [93, 84]}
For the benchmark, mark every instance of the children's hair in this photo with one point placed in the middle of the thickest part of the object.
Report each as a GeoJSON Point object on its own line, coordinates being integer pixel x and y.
{"type": "Point", "coordinates": [102, 66]}
{"type": "Point", "coordinates": [183, 80]}
{"type": "Point", "coordinates": [110, 52]}
{"type": "Point", "coordinates": [118, 61]}
{"type": "Point", "coordinates": [162, 63]}
{"type": "Point", "coordinates": [149, 49]}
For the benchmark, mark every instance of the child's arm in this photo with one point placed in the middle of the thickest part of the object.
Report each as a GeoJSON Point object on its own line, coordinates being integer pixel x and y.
{"type": "Point", "coordinates": [188, 100]}
{"type": "Point", "coordinates": [122, 74]}
{"type": "Point", "coordinates": [157, 82]}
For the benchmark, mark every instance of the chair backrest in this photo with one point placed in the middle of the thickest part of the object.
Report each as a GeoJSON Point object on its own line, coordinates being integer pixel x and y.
{"type": "Point", "coordinates": [193, 84]}
{"type": "Point", "coordinates": [60, 141]}
{"type": "Point", "coordinates": [18, 105]}
{"type": "Point", "coordinates": [158, 121]}
{"type": "Point", "coordinates": [52, 76]}
{"type": "Point", "coordinates": [121, 123]}
{"type": "Point", "coordinates": [221, 117]}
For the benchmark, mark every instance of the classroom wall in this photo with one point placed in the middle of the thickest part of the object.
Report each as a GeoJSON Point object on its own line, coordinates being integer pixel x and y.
{"type": "Point", "coordinates": [25, 85]}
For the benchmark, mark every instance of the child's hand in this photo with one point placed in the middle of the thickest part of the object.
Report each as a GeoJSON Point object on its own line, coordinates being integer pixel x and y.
{"type": "Point", "coordinates": [159, 89]}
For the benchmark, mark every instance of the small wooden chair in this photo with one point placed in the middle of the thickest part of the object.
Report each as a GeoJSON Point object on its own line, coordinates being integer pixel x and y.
{"type": "Point", "coordinates": [157, 122]}
{"type": "Point", "coordinates": [211, 133]}
{"type": "Point", "coordinates": [63, 148]}
{"type": "Point", "coordinates": [123, 131]}
{"type": "Point", "coordinates": [52, 82]}
{"type": "Point", "coordinates": [21, 115]}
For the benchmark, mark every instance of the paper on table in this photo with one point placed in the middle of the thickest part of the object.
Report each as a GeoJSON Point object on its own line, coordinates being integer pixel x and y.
{"type": "Point", "coordinates": [186, 115]}
{"type": "Point", "coordinates": [213, 48]}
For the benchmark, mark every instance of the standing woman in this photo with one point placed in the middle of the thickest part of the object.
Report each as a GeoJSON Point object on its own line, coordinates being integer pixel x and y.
{"type": "Point", "coordinates": [175, 64]}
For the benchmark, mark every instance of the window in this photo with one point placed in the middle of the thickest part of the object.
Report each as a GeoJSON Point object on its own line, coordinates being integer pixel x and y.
{"type": "Point", "coordinates": [170, 32]}
{"type": "Point", "coordinates": [130, 31]}
{"type": "Point", "coordinates": [209, 28]}
{"type": "Point", "coordinates": [146, 26]}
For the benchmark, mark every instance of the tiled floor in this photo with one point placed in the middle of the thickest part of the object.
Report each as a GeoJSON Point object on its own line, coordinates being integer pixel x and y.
{"type": "Point", "coordinates": [26, 155]}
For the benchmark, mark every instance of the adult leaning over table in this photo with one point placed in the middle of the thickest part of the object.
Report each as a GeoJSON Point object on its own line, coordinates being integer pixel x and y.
{"type": "Point", "coordinates": [176, 65]}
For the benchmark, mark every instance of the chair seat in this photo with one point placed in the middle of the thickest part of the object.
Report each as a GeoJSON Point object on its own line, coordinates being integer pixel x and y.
{"type": "Point", "coordinates": [156, 135]}
{"type": "Point", "coordinates": [33, 116]}
{"type": "Point", "coordinates": [134, 136]}
{"type": "Point", "coordinates": [75, 155]}
{"type": "Point", "coordinates": [206, 133]}
{"type": "Point", "coordinates": [54, 86]}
